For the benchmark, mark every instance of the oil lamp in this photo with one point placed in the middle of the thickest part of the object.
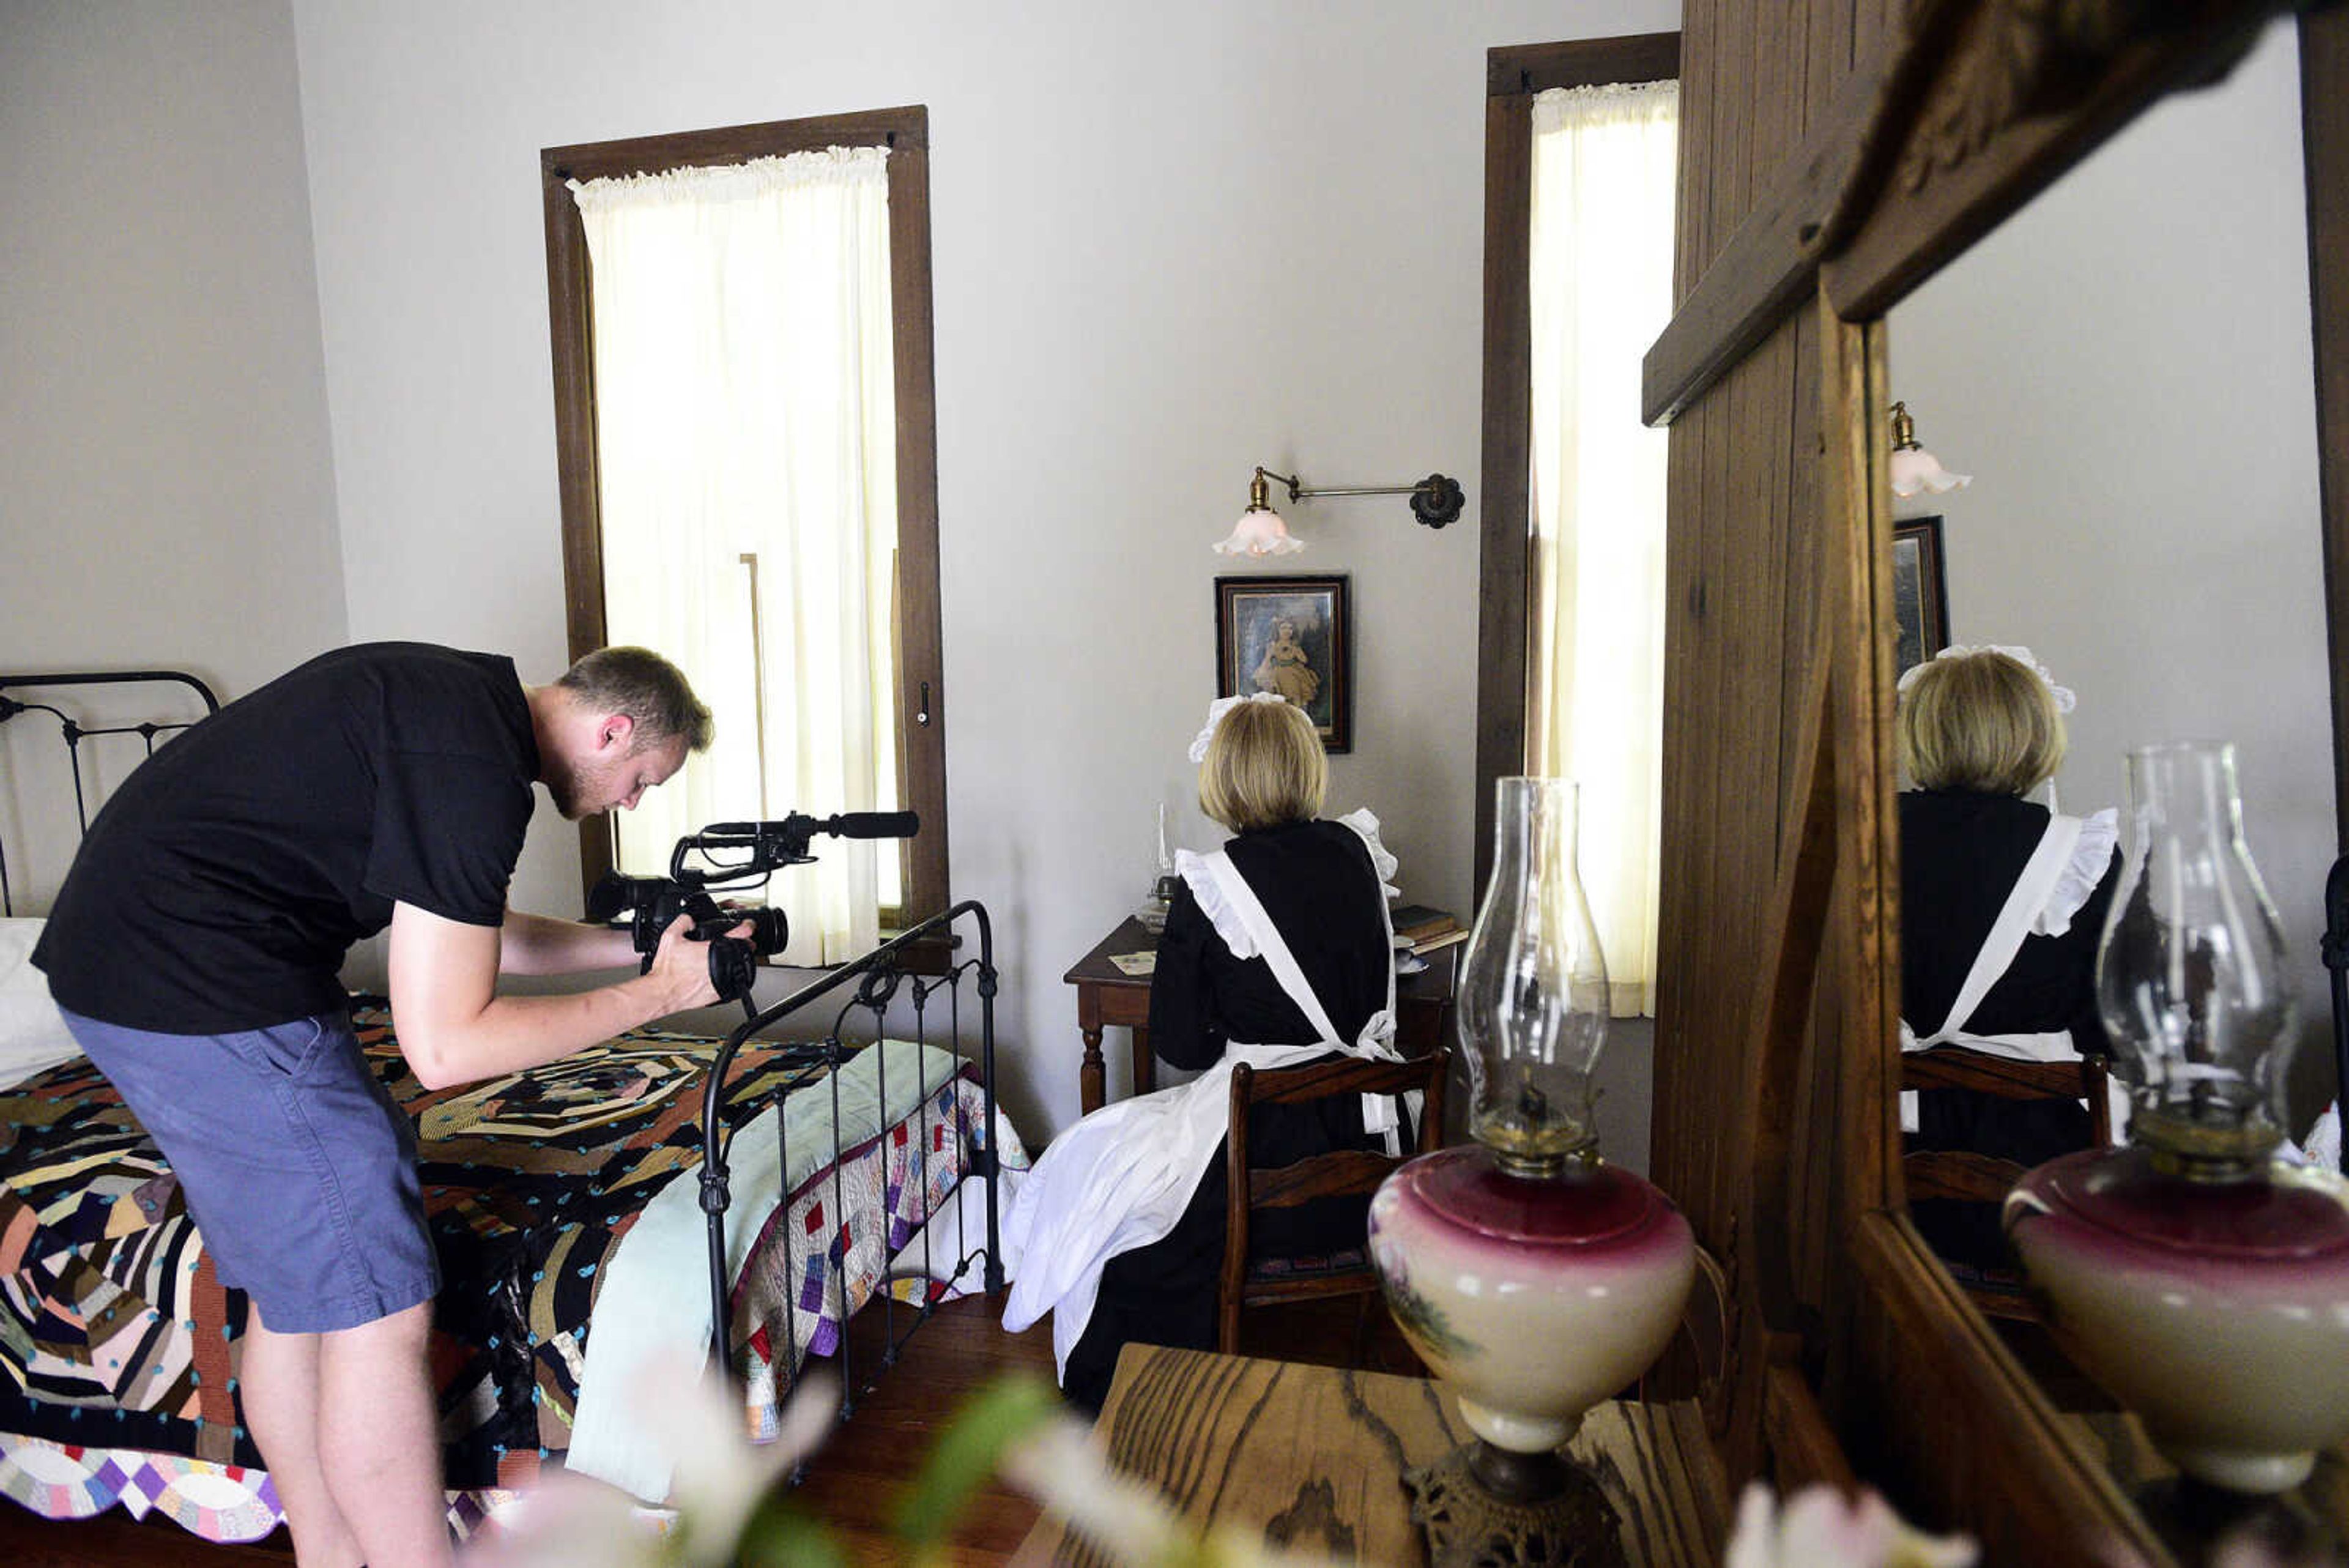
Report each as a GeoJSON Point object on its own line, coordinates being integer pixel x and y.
{"type": "Point", "coordinates": [2205, 1287]}
{"type": "Point", "coordinates": [1533, 1278]}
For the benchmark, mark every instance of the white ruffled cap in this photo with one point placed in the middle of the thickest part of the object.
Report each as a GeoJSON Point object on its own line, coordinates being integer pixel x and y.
{"type": "Point", "coordinates": [2065, 700]}
{"type": "Point", "coordinates": [1215, 711]}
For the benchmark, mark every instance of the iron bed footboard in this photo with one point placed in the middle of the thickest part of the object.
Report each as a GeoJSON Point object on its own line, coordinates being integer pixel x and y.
{"type": "Point", "coordinates": [880, 975]}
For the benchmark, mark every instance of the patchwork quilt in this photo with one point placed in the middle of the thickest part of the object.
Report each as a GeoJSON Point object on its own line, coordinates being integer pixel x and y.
{"type": "Point", "coordinates": [115, 1333]}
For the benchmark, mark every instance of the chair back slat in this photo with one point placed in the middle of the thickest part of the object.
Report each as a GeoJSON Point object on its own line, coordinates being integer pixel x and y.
{"type": "Point", "coordinates": [1956, 1173]}
{"type": "Point", "coordinates": [1322, 1175]}
{"type": "Point", "coordinates": [1291, 1085]}
{"type": "Point", "coordinates": [1955, 1068]}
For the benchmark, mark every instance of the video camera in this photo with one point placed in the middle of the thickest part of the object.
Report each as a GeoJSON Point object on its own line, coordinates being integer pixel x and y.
{"type": "Point", "coordinates": [733, 857]}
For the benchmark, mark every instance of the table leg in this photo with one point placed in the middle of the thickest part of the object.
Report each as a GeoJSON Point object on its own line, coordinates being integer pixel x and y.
{"type": "Point", "coordinates": [1089, 1077]}
{"type": "Point", "coordinates": [1146, 1065]}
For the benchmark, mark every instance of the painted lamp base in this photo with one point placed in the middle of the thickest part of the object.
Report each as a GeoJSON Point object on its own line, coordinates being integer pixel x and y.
{"type": "Point", "coordinates": [1531, 1300]}
{"type": "Point", "coordinates": [2217, 1312]}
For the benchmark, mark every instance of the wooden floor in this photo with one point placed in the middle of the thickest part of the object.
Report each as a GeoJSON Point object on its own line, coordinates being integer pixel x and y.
{"type": "Point", "coordinates": [851, 1482]}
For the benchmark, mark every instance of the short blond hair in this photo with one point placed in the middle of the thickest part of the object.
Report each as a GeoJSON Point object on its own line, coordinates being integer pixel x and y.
{"type": "Point", "coordinates": [1980, 720]}
{"type": "Point", "coordinates": [1264, 768]}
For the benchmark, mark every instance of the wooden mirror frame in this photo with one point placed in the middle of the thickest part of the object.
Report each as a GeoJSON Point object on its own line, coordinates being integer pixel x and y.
{"type": "Point", "coordinates": [1834, 155]}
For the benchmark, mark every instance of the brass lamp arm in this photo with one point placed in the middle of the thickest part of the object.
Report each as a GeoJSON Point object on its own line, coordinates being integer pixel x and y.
{"type": "Point", "coordinates": [1435, 500]}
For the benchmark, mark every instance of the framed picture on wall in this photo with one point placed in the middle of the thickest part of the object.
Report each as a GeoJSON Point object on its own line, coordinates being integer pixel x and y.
{"type": "Point", "coordinates": [1292, 635]}
{"type": "Point", "coordinates": [1919, 592]}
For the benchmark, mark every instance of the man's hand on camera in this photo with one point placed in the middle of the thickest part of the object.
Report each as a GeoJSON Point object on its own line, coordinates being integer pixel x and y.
{"type": "Point", "coordinates": [681, 965]}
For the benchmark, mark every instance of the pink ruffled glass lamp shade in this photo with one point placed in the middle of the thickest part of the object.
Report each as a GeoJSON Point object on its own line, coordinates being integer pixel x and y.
{"type": "Point", "coordinates": [1917, 474]}
{"type": "Point", "coordinates": [1533, 1278]}
{"type": "Point", "coordinates": [1259, 533]}
{"type": "Point", "coordinates": [2205, 1287]}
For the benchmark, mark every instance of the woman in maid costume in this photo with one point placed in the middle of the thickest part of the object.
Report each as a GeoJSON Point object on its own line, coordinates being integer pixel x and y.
{"type": "Point", "coordinates": [2002, 902]}
{"type": "Point", "coordinates": [1278, 951]}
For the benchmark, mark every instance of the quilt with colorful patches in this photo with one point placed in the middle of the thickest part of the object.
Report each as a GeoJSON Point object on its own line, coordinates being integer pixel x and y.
{"type": "Point", "coordinates": [115, 1332]}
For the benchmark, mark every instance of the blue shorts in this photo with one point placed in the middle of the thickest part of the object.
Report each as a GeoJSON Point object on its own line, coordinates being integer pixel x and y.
{"type": "Point", "coordinates": [295, 1164]}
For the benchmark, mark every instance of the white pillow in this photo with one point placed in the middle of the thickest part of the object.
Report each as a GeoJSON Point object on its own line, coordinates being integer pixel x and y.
{"type": "Point", "coordinates": [33, 1037]}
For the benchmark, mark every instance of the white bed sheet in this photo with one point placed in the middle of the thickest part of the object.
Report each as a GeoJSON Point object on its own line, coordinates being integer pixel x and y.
{"type": "Point", "coordinates": [33, 1037]}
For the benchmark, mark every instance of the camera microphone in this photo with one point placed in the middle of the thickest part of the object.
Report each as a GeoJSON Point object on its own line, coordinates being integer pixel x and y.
{"type": "Point", "coordinates": [874, 825]}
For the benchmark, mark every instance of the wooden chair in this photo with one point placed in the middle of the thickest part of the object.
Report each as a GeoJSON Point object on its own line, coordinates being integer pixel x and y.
{"type": "Point", "coordinates": [1265, 1281]}
{"type": "Point", "coordinates": [1979, 1178]}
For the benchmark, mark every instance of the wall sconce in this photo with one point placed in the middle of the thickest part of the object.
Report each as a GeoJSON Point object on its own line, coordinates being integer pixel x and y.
{"type": "Point", "coordinates": [1435, 500]}
{"type": "Point", "coordinates": [1915, 471]}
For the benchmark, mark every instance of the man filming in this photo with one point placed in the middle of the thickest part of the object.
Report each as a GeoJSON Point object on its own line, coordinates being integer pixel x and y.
{"type": "Point", "coordinates": [195, 949]}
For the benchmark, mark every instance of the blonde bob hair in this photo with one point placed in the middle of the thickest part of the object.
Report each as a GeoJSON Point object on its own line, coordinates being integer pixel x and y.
{"type": "Point", "coordinates": [1980, 720]}
{"type": "Point", "coordinates": [1264, 768]}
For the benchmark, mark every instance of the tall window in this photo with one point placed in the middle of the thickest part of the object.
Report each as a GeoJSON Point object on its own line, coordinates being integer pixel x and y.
{"type": "Point", "coordinates": [1583, 151]}
{"type": "Point", "coordinates": [749, 483]}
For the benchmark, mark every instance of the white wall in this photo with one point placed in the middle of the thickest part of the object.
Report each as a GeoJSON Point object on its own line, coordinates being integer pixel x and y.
{"type": "Point", "coordinates": [165, 495]}
{"type": "Point", "coordinates": [2126, 368]}
{"type": "Point", "coordinates": [1170, 243]}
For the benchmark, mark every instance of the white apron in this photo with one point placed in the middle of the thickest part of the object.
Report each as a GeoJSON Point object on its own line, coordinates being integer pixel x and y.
{"type": "Point", "coordinates": [1122, 1178]}
{"type": "Point", "coordinates": [2016, 920]}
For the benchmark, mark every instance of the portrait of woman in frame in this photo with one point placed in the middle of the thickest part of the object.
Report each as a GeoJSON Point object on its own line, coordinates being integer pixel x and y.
{"type": "Point", "coordinates": [1290, 636]}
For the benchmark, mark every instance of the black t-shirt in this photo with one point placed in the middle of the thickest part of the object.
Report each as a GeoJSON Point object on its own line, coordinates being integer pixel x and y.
{"type": "Point", "coordinates": [224, 882]}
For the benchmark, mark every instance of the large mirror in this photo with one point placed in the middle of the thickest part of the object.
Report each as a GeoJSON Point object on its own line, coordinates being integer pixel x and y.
{"type": "Point", "coordinates": [1906, 240]}
{"type": "Point", "coordinates": [2125, 368]}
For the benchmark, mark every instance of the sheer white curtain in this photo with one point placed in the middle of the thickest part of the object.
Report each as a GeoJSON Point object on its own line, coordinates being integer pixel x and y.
{"type": "Point", "coordinates": [1601, 260]}
{"type": "Point", "coordinates": [746, 451]}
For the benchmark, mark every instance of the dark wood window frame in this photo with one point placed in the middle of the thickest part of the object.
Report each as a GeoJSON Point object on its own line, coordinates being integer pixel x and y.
{"type": "Point", "coordinates": [904, 131]}
{"type": "Point", "coordinates": [1513, 75]}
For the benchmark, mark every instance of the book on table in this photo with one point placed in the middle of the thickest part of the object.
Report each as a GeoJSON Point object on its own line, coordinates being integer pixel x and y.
{"type": "Point", "coordinates": [1418, 924]}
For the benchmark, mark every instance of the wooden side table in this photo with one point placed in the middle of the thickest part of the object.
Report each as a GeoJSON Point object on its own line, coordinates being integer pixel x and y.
{"type": "Point", "coordinates": [1313, 1456]}
{"type": "Point", "coordinates": [1108, 997]}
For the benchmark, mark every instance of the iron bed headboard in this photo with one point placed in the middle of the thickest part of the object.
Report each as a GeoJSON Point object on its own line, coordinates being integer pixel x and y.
{"type": "Point", "coordinates": [73, 731]}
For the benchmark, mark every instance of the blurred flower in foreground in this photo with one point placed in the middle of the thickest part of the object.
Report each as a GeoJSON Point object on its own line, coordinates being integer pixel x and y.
{"type": "Point", "coordinates": [726, 1492]}
{"type": "Point", "coordinates": [1821, 1528]}
{"type": "Point", "coordinates": [1019, 1428]}
{"type": "Point", "coordinates": [732, 1504]}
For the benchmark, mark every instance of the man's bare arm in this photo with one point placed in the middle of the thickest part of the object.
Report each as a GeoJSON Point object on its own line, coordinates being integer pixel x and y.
{"type": "Point", "coordinates": [539, 944]}
{"type": "Point", "coordinates": [454, 1028]}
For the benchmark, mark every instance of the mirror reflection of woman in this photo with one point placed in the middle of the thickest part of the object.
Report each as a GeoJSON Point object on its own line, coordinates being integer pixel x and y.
{"type": "Point", "coordinates": [2002, 903]}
